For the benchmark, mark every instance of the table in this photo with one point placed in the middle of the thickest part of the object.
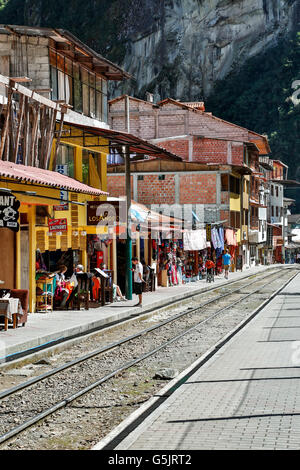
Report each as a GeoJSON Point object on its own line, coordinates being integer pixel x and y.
{"type": "Point", "coordinates": [10, 308]}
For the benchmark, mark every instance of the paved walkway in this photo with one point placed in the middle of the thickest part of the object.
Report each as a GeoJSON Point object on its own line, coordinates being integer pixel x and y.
{"type": "Point", "coordinates": [48, 328]}
{"type": "Point", "coordinates": [247, 396]}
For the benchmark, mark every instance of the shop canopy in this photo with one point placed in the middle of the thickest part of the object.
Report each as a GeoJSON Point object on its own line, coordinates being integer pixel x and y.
{"type": "Point", "coordinates": [136, 144]}
{"type": "Point", "coordinates": [39, 176]}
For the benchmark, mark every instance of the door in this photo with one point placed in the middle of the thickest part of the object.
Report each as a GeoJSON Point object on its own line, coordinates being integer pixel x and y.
{"type": "Point", "coordinates": [25, 259]}
{"type": "Point", "coordinates": [7, 258]}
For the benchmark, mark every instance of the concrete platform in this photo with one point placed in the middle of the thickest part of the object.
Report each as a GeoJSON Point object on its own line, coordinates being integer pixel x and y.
{"type": "Point", "coordinates": [46, 329]}
{"type": "Point", "coordinates": [246, 396]}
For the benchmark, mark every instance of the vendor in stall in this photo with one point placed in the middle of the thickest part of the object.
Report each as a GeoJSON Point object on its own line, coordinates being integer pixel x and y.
{"type": "Point", "coordinates": [61, 292]}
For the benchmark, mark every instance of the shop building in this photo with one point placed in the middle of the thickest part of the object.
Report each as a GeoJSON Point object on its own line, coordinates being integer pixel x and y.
{"type": "Point", "coordinates": [189, 131]}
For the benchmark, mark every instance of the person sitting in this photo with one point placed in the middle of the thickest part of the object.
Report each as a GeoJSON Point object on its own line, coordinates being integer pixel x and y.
{"type": "Point", "coordinates": [61, 292]}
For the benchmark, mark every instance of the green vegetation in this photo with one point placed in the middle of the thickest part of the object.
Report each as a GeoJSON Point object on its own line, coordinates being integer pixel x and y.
{"type": "Point", "coordinates": [258, 97]}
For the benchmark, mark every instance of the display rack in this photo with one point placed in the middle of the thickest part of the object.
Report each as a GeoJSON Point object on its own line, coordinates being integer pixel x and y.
{"type": "Point", "coordinates": [44, 301]}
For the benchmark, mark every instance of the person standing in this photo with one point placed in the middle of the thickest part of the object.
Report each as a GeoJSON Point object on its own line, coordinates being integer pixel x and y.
{"type": "Point", "coordinates": [226, 263]}
{"type": "Point", "coordinates": [138, 280]}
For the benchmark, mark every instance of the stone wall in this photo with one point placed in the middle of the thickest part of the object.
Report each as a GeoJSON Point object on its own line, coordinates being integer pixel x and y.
{"type": "Point", "coordinates": [28, 56]}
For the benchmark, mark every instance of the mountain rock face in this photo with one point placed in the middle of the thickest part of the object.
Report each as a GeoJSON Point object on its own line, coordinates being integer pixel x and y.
{"type": "Point", "coordinates": [179, 48]}
{"type": "Point", "coordinates": [176, 48]}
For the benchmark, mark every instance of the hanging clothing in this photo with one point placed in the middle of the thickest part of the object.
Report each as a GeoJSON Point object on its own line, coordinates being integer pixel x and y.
{"type": "Point", "coordinates": [221, 237]}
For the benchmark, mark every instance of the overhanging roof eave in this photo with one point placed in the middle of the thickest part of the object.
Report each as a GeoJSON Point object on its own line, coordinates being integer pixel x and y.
{"type": "Point", "coordinates": [136, 144]}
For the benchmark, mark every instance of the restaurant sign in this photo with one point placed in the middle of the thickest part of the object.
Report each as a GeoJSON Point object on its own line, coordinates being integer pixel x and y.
{"type": "Point", "coordinates": [57, 225]}
{"type": "Point", "coordinates": [107, 214]}
{"type": "Point", "coordinates": [9, 211]}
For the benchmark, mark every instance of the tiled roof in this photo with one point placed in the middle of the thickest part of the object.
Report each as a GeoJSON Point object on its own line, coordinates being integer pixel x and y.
{"type": "Point", "coordinates": [45, 177]}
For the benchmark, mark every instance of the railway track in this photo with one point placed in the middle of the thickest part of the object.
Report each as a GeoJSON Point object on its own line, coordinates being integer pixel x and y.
{"type": "Point", "coordinates": [55, 389]}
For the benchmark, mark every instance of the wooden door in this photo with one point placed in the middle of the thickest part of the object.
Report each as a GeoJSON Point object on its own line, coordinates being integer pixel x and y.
{"type": "Point", "coordinates": [7, 258]}
{"type": "Point", "coordinates": [24, 259]}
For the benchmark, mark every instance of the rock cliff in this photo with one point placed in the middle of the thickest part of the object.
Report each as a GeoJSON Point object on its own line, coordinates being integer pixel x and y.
{"type": "Point", "coordinates": [176, 48]}
{"type": "Point", "coordinates": [180, 48]}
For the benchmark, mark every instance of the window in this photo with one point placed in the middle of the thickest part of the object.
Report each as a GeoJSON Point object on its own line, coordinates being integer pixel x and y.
{"type": "Point", "coordinates": [161, 177]}
{"type": "Point", "coordinates": [140, 177]}
{"type": "Point", "coordinates": [224, 183]}
{"type": "Point", "coordinates": [234, 185]}
{"type": "Point", "coordinates": [276, 191]}
{"type": "Point", "coordinates": [65, 160]}
{"type": "Point", "coordinates": [91, 168]}
{"type": "Point", "coordinates": [84, 90]}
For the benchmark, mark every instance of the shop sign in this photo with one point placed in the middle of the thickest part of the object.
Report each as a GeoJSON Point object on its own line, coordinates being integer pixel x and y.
{"type": "Point", "coordinates": [208, 232]}
{"type": "Point", "coordinates": [63, 206]}
{"type": "Point", "coordinates": [9, 211]}
{"type": "Point", "coordinates": [279, 241]}
{"type": "Point", "coordinates": [103, 213]}
{"type": "Point", "coordinates": [57, 225]}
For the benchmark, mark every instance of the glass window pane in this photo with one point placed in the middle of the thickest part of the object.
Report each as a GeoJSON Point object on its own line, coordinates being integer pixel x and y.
{"type": "Point", "coordinates": [99, 106]}
{"type": "Point", "coordinates": [77, 90]}
{"type": "Point", "coordinates": [92, 102]}
{"type": "Point", "coordinates": [69, 88]}
{"type": "Point", "coordinates": [92, 80]}
{"type": "Point", "coordinates": [84, 76]}
{"type": "Point", "coordinates": [85, 99]}
{"type": "Point", "coordinates": [104, 108]}
{"type": "Point", "coordinates": [61, 85]}
{"type": "Point", "coordinates": [65, 160]}
{"type": "Point", "coordinates": [85, 166]}
{"type": "Point", "coordinates": [54, 86]}
{"type": "Point", "coordinates": [99, 83]}
{"type": "Point", "coordinates": [104, 87]}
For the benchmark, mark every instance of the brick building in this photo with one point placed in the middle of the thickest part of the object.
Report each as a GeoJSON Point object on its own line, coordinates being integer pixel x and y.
{"type": "Point", "coordinates": [221, 178]}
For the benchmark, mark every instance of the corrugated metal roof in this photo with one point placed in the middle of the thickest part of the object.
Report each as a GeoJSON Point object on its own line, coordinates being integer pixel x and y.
{"type": "Point", "coordinates": [45, 177]}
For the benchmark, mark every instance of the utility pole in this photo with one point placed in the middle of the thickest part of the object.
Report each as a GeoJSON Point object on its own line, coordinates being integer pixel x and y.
{"type": "Point", "coordinates": [128, 225]}
{"type": "Point", "coordinates": [128, 199]}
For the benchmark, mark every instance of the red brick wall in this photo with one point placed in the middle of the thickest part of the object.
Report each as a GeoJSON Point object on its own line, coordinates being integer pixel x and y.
{"type": "Point", "coordinates": [217, 151]}
{"type": "Point", "coordinates": [178, 146]}
{"type": "Point", "coordinates": [116, 185]}
{"type": "Point", "coordinates": [206, 150]}
{"type": "Point", "coordinates": [151, 190]}
{"type": "Point", "coordinates": [198, 189]}
{"type": "Point", "coordinates": [193, 188]}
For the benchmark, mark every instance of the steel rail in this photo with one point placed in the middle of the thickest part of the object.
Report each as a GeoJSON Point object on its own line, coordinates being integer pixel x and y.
{"type": "Point", "coordinates": [35, 419]}
{"type": "Point", "coordinates": [187, 296]}
{"type": "Point", "coordinates": [115, 344]}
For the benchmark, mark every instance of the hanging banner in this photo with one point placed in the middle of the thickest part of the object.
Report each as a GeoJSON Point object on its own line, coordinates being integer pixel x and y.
{"type": "Point", "coordinates": [9, 211]}
{"type": "Point", "coordinates": [194, 240]}
{"type": "Point", "coordinates": [57, 225]}
{"type": "Point", "coordinates": [208, 232]}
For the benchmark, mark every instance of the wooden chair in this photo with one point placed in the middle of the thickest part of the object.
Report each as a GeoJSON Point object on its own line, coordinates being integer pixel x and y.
{"type": "Point", "coordinates": [23, 295]}
{"type": "Point", "coordinates": [83, 289]}
{"type": "Point", "coordinates": [107, 290]}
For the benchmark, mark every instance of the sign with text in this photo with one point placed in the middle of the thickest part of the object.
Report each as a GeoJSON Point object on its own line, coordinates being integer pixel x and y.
{"type": "Point", "coordinates": [9, 211]}
{"type": "Point", "coordinates": [64, 195]}
{"type": "Point", "coordinates": [57, 225]}
{"type": "Point", "coordinates": [106, 214]}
